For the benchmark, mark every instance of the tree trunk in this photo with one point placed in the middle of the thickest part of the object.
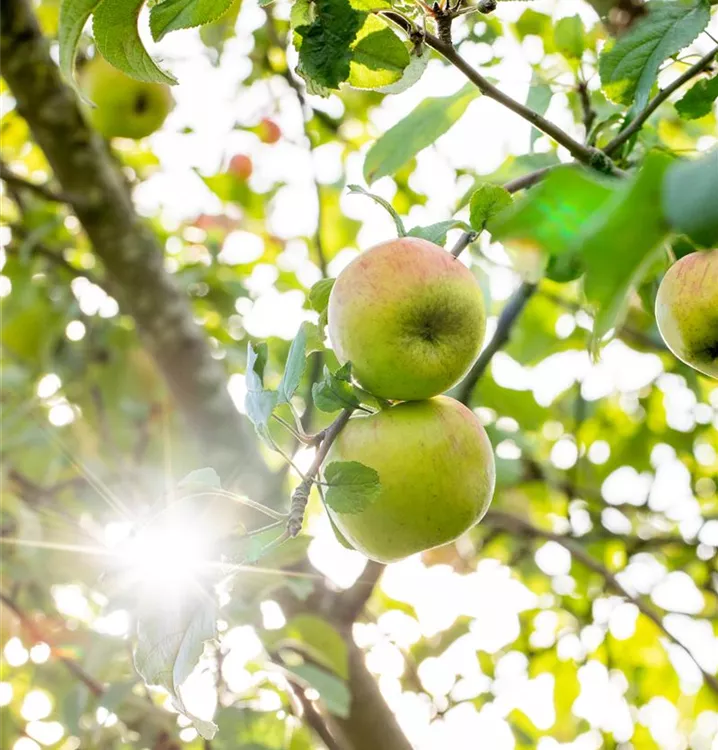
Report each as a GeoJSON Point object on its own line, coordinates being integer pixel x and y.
{"type": "Point", "coordinates": [132, 257]}
{"type": "Point", "coordinates": [133, 260]}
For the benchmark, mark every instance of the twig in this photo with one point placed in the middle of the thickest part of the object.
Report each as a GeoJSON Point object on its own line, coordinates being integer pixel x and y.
{"type": "Point", "coordinates": [463, 242]}
{"type": "Point", "coordinates": [586, 155]}
{"type": "Point", "coordinates": [508, 317]}
{"type": "Point", "coordinates": [657, 100]}
{"type": "Point", "coordinates": [37, 634]}
{"type": "Point", "coordinates": [56, 258]}
{"type": "Point", "coordinates": [529, 180]}
{"type": "Point", "coordinates": [516, 523]}
{"type": "Point", "coordinates": [589, 113]}
{"type": "Point", "coordinates": [300, 496]}
{"type": "Point", "coordinates": [44, 191]}
{"type": "Point", "coordinates": [513, 186]}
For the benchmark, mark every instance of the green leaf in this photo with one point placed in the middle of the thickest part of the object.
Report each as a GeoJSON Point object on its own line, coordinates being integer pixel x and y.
{"type": "Point", "coordinates": [620, 242]}
{"type": "Point", "coordinates": [319, 294]}
{"type": "Point", "coordinates": [351, 486]}
{"type": "Point", "coordinates": [333, 690]}
{"type": "Point", "coordinates": [206, 477]}
{"type": "Point", "coordinates": [698, 100]}
{"type": "Point", "coordinates": [73, 17]}
{"type": "Point", "coordinates": [690, 198]}
{"type": "Point", "coordinates": [256, 362]}
{"type": "Point", "coordinates": [333, 393]}
{"type": "Point", "coordinates": [400, 230]}
{"type": "Point", "coordinates": [487, 202]}
{"type": "Point", "coordinates": [532, 22]}
{"type": "Point", "coordinates": [629, 66]}
{"type": "Point", "coordinates": [301, 14]}
{"type": "Point", "coordinates": [436, 233]}
{"type": "Point", "coordinates": [324, 45]}
{"type": "Point", "coordinates": [539, 100]}
{"type": "Point", "coordinates": [569, 38]}
{"type": "Point", "coordinates": [379, 57]}
{"type": "Point", "coordinates": [294, 368]}
{"type": "Point", "coordinates": [550, 218]}
{"type": "Point", "coordinates": [214, 35]}
{"type": "Point", "coordinates": [322, 642]}
{"type": "Point", "coordinates": [258, 403]}
{"type": "Point", "coordinates": [338, 535]}
{"type": "Point", "coordinates": [315, 338]}
{"type": "Point", "coordinates": [412, 73]}
{"type": "Point", "coordinates": [170, 15]}
{"type": "Point", "coordinates": [170, 642]}
{"type": "Point", "coordinates": [114, 26]}
{"type": "Point", "coordinates": [419, 129]}
{"type": "Point", "coordinates": [370, 6]}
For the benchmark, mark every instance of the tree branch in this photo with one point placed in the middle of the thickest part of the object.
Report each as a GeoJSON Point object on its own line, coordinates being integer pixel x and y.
{"type": "Point", "coordinates": [56, 259]}
{"type": "Point", "coordinates": [39, 635]}
{"type": "Point", "coordinates": [656, 102]}
{"type": "Point", "coordinates": [300, 496]}
{"type": "Point", "coordinates": [519, 525]}
{"type": "Point", "coordinates": [44, 191]}
{"type": "Point", "coordinates": [529, 180]}
{"type": "Point", "coordinates": [586, 155]}
{"type": "Point", "coordinates": [130, 252]}
{"type": "Point", "coordinates": [351, 603]}
{"type": "Point", "coordinates": [506, 321]}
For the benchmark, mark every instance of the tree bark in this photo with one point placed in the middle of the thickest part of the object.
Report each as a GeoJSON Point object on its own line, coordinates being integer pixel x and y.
{"type": "Point", "coordinates": [371, 724]}
{"type": "Point", "coordinates": [132, 257]}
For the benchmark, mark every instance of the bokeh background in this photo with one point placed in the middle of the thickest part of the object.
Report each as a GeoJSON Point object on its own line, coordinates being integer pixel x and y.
{"type": "Point", "coordinates": [502, 640]}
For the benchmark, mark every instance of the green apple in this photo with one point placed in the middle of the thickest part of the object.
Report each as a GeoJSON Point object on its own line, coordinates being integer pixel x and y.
{"type": "Point", "coordinates": [687, 310]}
{"type": "Point", "coordinates": [124, 107]}
{"type": "Point", "coordinates": [410, 318]}
{"type": "Point", "coordinates": [436, 471]}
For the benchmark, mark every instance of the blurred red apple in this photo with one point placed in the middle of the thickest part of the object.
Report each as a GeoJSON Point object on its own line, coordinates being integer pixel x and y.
{"type": "Point", "coordinates": [269, 131]}
{"type": "Point", "coordinates": [240, 166]}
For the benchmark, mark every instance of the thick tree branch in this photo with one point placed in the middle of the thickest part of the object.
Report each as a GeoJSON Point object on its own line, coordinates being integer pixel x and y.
{"type": "Point", "coordinates": [351, 603]}
{"type": "Point", "coordinates": [657, 100]}
{"type": "Point", "coordinates": [129, 251]}
{"type": "Point", "coordinates": [371, 724]}
{"type": "Point", "coordinates": [521, 526]}
{"type": "Point", "coordinates": [506, 321]}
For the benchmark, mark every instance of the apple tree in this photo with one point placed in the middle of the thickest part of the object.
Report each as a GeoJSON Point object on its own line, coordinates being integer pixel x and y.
{"type": "Point", "coordinates": [266, 487]}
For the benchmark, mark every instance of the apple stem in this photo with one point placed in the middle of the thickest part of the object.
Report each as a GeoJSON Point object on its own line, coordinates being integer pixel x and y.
{"type": "Point", "coordinates": [463, 242]}
{"type": "Point", "coordinates": [300, 496]}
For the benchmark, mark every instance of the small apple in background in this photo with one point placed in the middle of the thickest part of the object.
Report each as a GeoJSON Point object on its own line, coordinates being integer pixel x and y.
{"type": "Point", "coordinates": [436, 470]}
{"type": "Point", "coordinates": [269, 132]}
{"type": "Point", "coordinates": [687, 310]}
{"type": "Point", "coordinates": [410, 318]}
{"type": "Point", "coordinates": [240, 165]}
{"type": "Point", "coordinates": [124, 107]}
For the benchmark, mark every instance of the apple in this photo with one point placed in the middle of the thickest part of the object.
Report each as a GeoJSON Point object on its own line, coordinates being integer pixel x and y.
{"type": "Point", "coordinates": [410, 318]}
{"type": "Point", "coordinates": [687, 310]}
{"type": "Point", "coordinates": [436, 471]}
{"type": "Point", "coordinates": [124, 107]}
{"type": "Point", "coordinates": [240, 165]}
{"type": "Point", "coordinates": [269, 131]}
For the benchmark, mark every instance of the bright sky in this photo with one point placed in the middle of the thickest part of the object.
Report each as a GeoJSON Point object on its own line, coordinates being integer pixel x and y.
{"type": "Point", "coordinates": [211, 100]}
